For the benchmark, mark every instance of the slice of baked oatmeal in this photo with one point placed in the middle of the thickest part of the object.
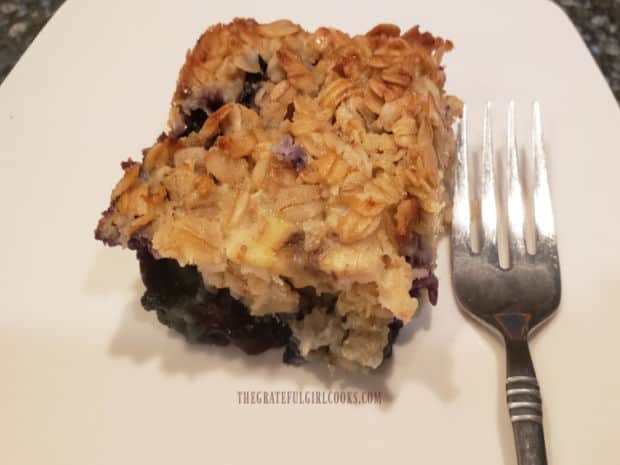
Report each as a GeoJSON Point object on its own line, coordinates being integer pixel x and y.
{"type": "Point", "coordinates": [298, 196]}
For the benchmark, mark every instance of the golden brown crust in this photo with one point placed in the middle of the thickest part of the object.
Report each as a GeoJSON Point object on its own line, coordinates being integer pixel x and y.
{"type": "Point", "coordinates": [339, 142]}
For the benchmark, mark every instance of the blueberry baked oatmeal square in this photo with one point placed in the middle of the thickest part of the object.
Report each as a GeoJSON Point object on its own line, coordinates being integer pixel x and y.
{"type": "Point", "coordinates": [296, 200]}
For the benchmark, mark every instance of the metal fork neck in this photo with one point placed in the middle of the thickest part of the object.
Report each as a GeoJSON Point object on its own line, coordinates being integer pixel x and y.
{"type": "Point", "coordinates": [522, 390]}
{"type": "Point", "coordinates": [514, 326]}
{"type": "Point", "coordinates": [515, 329]}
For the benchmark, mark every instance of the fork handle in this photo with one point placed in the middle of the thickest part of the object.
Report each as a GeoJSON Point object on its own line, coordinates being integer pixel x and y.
{"type": "Point", "coordinates": [523, 394]}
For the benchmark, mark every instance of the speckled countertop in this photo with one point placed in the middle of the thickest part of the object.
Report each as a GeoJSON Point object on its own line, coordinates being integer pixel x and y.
{"type": "Point", "coordinates": [598, 21]}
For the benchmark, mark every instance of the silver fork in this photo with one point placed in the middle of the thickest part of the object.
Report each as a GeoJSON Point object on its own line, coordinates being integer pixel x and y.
{"type": "Point", "coordinates": [515, 299]}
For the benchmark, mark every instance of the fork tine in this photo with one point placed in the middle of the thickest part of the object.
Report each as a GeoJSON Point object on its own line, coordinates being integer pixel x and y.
{"type": "Point", "coordinates": [461, 216]}
{"type": "Point", "coordinates": [543, 212]}
{"type": "Point", "coordinates": [487, 197]}
{"type": "Point", "coordinates": [516, 209]}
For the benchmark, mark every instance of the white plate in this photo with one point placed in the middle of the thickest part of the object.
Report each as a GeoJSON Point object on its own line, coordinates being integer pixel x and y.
{"type": "Point", "coordinates": [90, 378]}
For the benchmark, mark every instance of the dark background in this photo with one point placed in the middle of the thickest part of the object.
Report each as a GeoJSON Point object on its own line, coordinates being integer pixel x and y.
{"type": "Point", "coordinates": [598, 21]}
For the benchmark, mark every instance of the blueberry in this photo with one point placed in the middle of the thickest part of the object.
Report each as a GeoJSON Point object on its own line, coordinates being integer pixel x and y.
{"type": "Point", "coordinates": [194, 121]}
{"type": "Point", "coordinates": [251, 82]}
{"type": "Point", "coordinates": [394, 328]}
{"type": "Point", "coordinates": [430, 283]}
{"type": "Point", "coordinates": [178, 295]}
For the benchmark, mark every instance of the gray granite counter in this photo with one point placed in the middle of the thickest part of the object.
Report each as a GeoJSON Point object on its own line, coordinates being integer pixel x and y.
{"type": "Point", "coordinates": [598, 21]}
{"type": "Point", "coordinates": [20, 22]}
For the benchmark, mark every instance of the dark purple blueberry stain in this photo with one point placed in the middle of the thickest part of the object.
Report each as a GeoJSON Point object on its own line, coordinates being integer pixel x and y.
{"type": "Point", "coordinates": [250, 84]}
{"type": "Point", "coordinates": [292, 354]}
{"type": "Point", "coordinates": [211, 102]}
{"type": "Point", "coordinates": [419, 254]}
{"type": "Point", "coordinates": [100, 232]}
{"type": "Point", "coordinates": [263, 65]}
{"type": "Point", "coordinates": [291, 154]}
{"type": "Point", "coordinates": [290, 112]}
{"type": "Point", "coordinates": [194, 121]}
{"type": "Point", "coordinates": [246, 97]}
{"type": "Point", "coordinates": [143, 245]}
{"type": "Point", "coordinates": [394, 328]}
{"type": "Point", "coordinates": [182, 302]}
{"type": "Point", "coordinates": [309, 299]}
{"type": "Point", "coordinates": [127, 164]}
{"type": "Point", "coordinates": [430, 283]}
